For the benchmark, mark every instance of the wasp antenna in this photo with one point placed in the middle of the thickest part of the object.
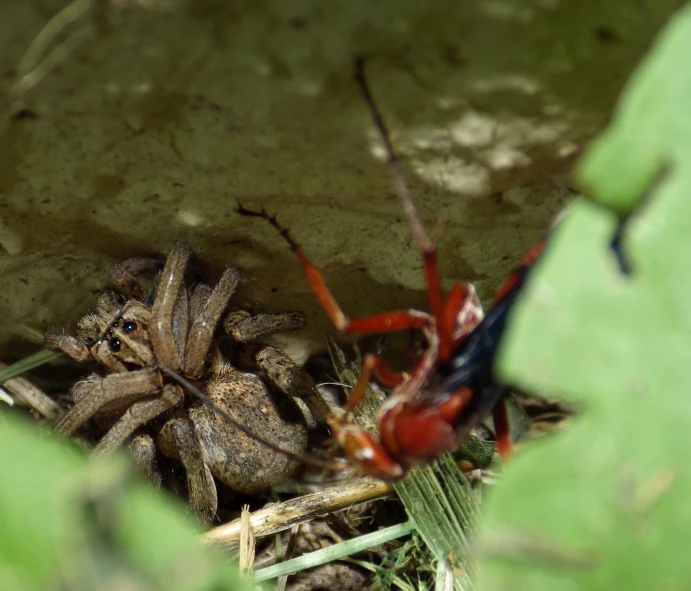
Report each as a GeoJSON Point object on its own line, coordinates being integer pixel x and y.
{"type": "Point", "coordinates": [425, 244]}
{"type": "Point", "coordinates": [411, 213]}
{"type": "Point", "coordinates": [192, 389]}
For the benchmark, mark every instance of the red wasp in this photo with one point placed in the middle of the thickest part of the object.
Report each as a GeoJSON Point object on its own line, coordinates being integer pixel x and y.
{"type": "Point", "coordinates": [450, 388]}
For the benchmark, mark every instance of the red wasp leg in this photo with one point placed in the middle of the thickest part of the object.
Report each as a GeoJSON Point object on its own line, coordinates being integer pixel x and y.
{"type": "Point", "coordinates": [377, 323]}
{"type": "Point", "coordinates": [385, 375]}
{"type": "Point", "coordinates": [429, 261]}
{"type": "Point", "coordinates": [365, 452]}
{"type": "Point", "coordinates": [359, 446]}
{"type": "Point", "coordinates": [526, 262]}
{"type": "Point", "coordinates": [358, 391]}
{"type": "Point", "coordinates": [501, 430]}
{"type": "Point", "coordinates": [455, 404]}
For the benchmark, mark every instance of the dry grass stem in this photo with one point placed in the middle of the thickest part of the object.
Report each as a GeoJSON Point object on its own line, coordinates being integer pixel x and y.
{"type": "Point", "coordinates": [32, 396]}
{"type": "Point", "coordinates": [282, 516]}
{"type": "Point", "coordinates": [246, 542]}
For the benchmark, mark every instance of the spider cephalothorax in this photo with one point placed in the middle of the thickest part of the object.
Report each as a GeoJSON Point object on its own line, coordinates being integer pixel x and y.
{"type": "Point", "coordinates": [175, 326]}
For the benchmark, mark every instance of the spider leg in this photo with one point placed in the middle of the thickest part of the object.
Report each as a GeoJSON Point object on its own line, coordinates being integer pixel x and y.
{"type": "Point", "coordinates": [95, 392]}
{"type": "Point", "coordinates": [199, 295]}
{"type": "Point", "coordinates": [143, 450]}
{"type": "Point", "coordinates": [201, 487]}
{"type": "Point", "coordinates": [204, 324]}
{"type": "Point", "coordinates": [292, 380]}
{"type": "Point", "coordinates": [69, 345]}
{"type": "Point", "coordinates": [137, 415]}
{"type": "Point", "coordinates": [161, 331]}
{"type": "Point", "coordinates": [245, 327]}
{"type": "Point", "coordinates": [124, 274]}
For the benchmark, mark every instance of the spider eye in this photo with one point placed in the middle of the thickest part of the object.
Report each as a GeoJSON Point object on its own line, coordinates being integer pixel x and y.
{"type": "Point", "coordinates": [129, 327]}
{"type": "Point", "coordinates": [114, 345]}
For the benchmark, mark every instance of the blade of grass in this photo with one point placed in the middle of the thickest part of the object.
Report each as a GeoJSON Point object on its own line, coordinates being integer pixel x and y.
{"type": "Point", "coordinates": [24, 365]}
{"type": "Point", "coordinates": [396, 581]}
{"type": "Point", "coordinates": [443, 507]}
{"type": "Point", "coordinates": [335, 552]}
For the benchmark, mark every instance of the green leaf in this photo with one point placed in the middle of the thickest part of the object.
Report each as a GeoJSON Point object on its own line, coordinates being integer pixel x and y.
{"type": "Point", "coordinates": [69, 524]}
{"type": "Point", "coordinates": [604, 504]}
{"type": "Point", "coordinates": [650, 130]}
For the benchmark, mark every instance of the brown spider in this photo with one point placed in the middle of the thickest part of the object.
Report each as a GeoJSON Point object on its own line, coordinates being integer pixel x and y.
{"type": "Point", "coordinates": [174, 326]}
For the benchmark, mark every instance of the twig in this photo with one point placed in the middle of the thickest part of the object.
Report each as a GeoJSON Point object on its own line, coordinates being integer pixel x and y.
{"type": "Point", "coordinates": [282, 516]}
{"type": "Point", "coordinates": [32, 396]}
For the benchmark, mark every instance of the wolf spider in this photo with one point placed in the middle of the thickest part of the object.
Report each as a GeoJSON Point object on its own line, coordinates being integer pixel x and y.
{"type": "Point", "coordinates": [174, 326]}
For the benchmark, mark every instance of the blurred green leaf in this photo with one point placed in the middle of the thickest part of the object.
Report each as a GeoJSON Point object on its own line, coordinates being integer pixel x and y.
{"type": "Point", "coordinates": [651, 128]}
{"type": "Point", "coordinates": [604, 504]}
{"type": "Point", "coordinates": [69, 524]}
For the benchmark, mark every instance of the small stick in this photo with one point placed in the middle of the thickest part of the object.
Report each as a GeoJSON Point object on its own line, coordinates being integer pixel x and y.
{"type": "Point", "coordinates": [34, 397]}
{"type": "Point", "coordinates": [282, 516]}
